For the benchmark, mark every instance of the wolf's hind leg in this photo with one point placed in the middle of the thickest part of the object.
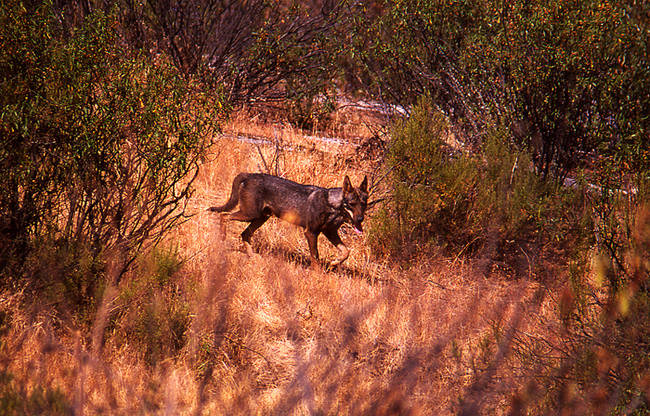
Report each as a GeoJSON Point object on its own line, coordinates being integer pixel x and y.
{"type": "Point", "coordinates": [222, 227]}
{"type": "Point", "coordinates": [248, 232]}
{"type": "Point", "coordinates": [312, 240]}
{"type": "Point", "coordinates": [240, 216]}
{"type": "Point", "coordinates": [252, 227]}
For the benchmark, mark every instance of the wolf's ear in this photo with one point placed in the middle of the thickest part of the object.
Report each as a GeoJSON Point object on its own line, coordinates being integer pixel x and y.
{"type": "Point", "coordinates": [347, 185]}
{"type": "Point", "coordinates": [364, 185]}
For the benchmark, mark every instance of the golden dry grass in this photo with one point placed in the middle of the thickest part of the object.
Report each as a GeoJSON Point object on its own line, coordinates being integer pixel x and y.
{"type": "Point", "coordinates": [347, 122]}
{"type": "Point", "coordinates": [269, 335]}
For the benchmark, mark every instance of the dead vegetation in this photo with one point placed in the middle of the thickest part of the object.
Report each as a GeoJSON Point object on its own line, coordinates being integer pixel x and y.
{"type": "Point", "coordinates": [199, 327]}
{"type": "Point", "coordinates": [483, 285]}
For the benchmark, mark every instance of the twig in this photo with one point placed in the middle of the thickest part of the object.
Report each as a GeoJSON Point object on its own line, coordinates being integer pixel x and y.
{"type": "Point", "coordinates": [266, 166]}
{"type": "Point", "coordinates": [437, 284]}
{"type": "Point", "coordinates": [242, 345]}
{"type": "Point", "coordinates": [461, 252]}
{"type": "Point", "coordinates": [530, 270]}
{"type": "Point", "coordinates": [375, 202]}
{"type": "Point", "coordinates": [514, 167]}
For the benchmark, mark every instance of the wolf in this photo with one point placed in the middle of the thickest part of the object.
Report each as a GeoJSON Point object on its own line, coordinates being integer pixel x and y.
{"type": "Point", "coordinates": [316, 209]}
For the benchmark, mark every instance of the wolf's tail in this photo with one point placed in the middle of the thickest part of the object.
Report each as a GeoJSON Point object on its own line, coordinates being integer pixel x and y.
{"type": "Point", "coordinates": [234, 195]}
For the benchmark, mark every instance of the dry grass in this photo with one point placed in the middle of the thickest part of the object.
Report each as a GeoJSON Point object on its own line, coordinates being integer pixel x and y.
{"type": "Point", "coordinates": [269, 335]}
{"type": "Point", "coordinates": [348, 122]}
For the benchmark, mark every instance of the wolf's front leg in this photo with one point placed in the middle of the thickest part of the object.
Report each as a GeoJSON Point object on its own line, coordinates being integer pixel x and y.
{"type": "Point", "coordinates": [335, 239]}
{"type": "Point", "coordinates": [344, 252]}
{"type": "Point", "coordinates": [222, 226]}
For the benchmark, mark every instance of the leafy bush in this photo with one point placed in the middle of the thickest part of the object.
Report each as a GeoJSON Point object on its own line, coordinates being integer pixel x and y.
{"type": "Point", "coordinates": [156, 313]}
{"type": "Point", "coordinates": [430, 187]}
{"type": "Point", "coordinates": [449, 197]}
{"type": "Point", "coordinates": [600, 361]}
{"type": "Point", "coordinates": [571, 77]}
{"type": "Point", "coordinates": [309, 110]}
{"type": "Point", "coordinates": [100, 145]}
{"type": "Point", "coordinates": [259, 49]}
{"type": "Point", "coordinates": [40, 401]}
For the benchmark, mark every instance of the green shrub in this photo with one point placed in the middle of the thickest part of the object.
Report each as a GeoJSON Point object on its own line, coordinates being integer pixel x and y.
{"type": "Point", "coordinates": [66, 274]}
{"type": "Point", "coordinates": [100, 147]}
{"type": "Point", "coordinates": [40, 401]}
{"type": "Point", "coordinates": [309, 110]}
{"type": "Point", "coordinates": [518, 201]}
{"type": "Point", "coordinates": [167, 263]}
{"type": "Point", "coordinates": [571, 76]}
{"type": "Point", "coordinates": [430, 187]}
{"type": "Point", "coordinates": [453, 198]}
{"type": "Point", "coordinates": [156, 314]}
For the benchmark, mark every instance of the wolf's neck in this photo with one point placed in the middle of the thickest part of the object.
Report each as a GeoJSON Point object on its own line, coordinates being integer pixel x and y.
{"type": "Point", "coordinates": [335, 197]}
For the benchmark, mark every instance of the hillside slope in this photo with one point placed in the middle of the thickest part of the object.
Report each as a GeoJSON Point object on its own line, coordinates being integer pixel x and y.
{"type": "Point", "coordinates": [202, 328]}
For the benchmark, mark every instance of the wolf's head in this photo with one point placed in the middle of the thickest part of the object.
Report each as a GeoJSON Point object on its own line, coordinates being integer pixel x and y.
{"type": "Point", "coordinates": [355, 201]}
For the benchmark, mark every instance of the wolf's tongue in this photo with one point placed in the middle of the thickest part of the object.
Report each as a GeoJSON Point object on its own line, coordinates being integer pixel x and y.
{"type": "Point", "coordinates": [358, 231]}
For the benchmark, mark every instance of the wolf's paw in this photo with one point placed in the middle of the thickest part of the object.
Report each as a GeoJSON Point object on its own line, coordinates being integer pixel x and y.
{"type": "Point", "coordinates": [344, 252]}
{"type": "Point", "coordinates": [316, 265]}
{"type": "Point", "coordinates": [335, 263]}
{"type": "Point", "coordinates": [246, 248]}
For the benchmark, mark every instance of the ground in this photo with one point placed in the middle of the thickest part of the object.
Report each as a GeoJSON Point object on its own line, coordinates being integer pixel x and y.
{"type": "Point", "coordinates": [267, 334]}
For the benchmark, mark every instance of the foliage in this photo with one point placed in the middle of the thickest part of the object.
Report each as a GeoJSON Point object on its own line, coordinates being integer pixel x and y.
{"type": "Point", "coordinates": [308, 110]}
{"type": "Point", "coordinates": [444, 195]}
{"type": "Point", "coordinates": [155, 314]}
{"type": "Point", "coordinates": [256, 49]}
{"type": "Point", "coordinates": [571, 78]}
{"type": "Point", "coordinates": [100, 144]}
{"type": "Point", "coordinates": [430, 187]}
{"type": "Point", "coordinates": [13, 401]}
{"type": "Point", "coordinates": [566, 85]}
{"type": "Point", "coordinates": [601, 357]}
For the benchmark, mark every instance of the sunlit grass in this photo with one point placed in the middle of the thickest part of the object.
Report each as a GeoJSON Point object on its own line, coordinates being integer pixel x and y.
{"type": "Point", "coordinates": [267, 334]}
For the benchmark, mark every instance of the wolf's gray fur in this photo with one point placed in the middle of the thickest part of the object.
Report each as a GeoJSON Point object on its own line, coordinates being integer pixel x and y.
{"type": "Point", "coordinates": [317, 210]}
